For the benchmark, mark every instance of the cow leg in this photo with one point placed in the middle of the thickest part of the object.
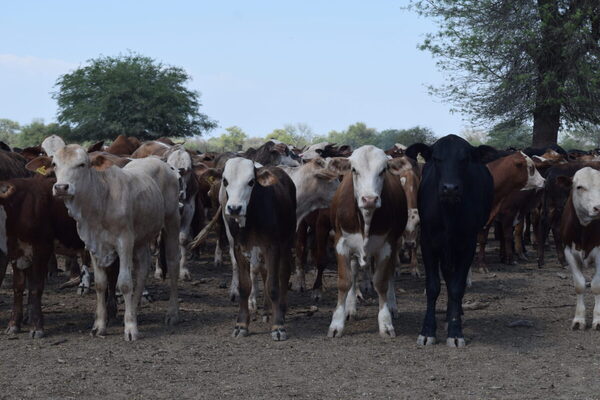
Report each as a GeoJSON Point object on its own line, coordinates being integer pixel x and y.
{"type": "Point", "coordinates": [507, 237]}
{"type": "Point", "coordinates": [234, 292]}
{"type": "Point", "coordinates": [575, 263]}
{"type": "Point", "coordinates": [16, 317]}
{"type": "Point", "coordinates": [125, 285]}
{"type": "Point", "coordinates": [186, 224]}
{"type": "Point", "coordinates": [354, 290]}
{"type": "Point", "coordinates": [3, 266]}
{"type": "Point", "coordinates": [455, 285]}
{"type": "Point", "coordinates": [321, 243]}
{"type": "Point", "coordinates": [558, 244]}
{"type": "Point", "coordinates": [336, 327]}
{"type": "Point", "coordinates": [272, 289]}
{"type": "Point", "coordinates": [482, 240]}
{"type": "Point", "coordinates": [541, 232]}
{"type": "Point", "coordinates": [414, 263]}
{"type": "Point", "coordinates": [255, 271]}
{"type": "Point", "coordinates": [100, 284]}
{"type": "Point", "coordinates": [169, 235]}
{"type": "Point", "coordinates": [266, 311]}
{"type": "Point", "coordinates": [142, 262]}
{"type": "Point", "coordinates": [596, 291]}
{"type": "Point", "coordinates": [299, 278]}
{"type": "Point", "coordinates": [278, 331]}
{"type": "Point", "coordinates": [382, 281]}
{"type": "Point", "coordinates": [432, 285]}
{"type": "Point", "coordinates": [519, 243]}
{"type": "Point", "coordinates": [243, 319]}
{"type": "Point", "coordinates": [526, 228]}
{"type": "Point", "coordinates": [36, 277]}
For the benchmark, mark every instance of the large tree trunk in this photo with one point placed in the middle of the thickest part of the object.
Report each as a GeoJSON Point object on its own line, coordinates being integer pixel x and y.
{"type": "Point", "coordinates": [546, 121]}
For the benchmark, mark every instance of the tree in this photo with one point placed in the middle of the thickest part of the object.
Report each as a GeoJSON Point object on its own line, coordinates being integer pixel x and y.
{"type": "Point", "coordinates": [583, 137]}
{"type": "Point", "coordinates": [299, 134]}
{"type": "Point", "coordinates": [33, 134]}
{"type": "Point", "coordinates": [509, 134]}
{"type": "Point", "coordinates": [233, 140]}
{"type": "Point", "coordinates": [356, 135]}
{"type": "Point", "coordinates": [519, 60]}
{"type": "Point", "coordinates": [131, 95]}
{"type": "Point", "coordinates": [474, 136]}
{"type": "Point", "coordinates": [9, 130]}
{"type": "Point", "coordinates": [389, 137]}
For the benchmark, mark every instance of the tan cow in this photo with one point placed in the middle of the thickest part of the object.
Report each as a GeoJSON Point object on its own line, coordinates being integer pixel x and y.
{"type": "Point", "coordinates": [119, 212]}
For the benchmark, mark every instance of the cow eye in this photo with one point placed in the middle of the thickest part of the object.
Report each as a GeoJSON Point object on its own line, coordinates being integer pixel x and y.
{"type": "Point", "coordinates": [580, 187]}
{"type": "Point", "coordinates": [225, 183]}
{"type": "Point", "coordinates": [81, 165]}
{"type": "Point", "coordinates": [53, 165]}
{"type": "Point", "coordinates": [251, 183]}
{"type": "Point", "coordinates": [382, 171]}
{"type": "Point", "coordinates": [354, 171]}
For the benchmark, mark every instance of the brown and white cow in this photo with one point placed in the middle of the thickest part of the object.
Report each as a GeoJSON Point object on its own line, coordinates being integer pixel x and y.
{"type": "Point", "coordinates": [369, 215]}
{"type": "Point", "coordinates": [410, 238]}
{"type": "Point", "coordinates": [580, 232]}
{"type": "Point", "coordinates": [258, 206]}
{"type": "Point", "coordinates": [119, 212]}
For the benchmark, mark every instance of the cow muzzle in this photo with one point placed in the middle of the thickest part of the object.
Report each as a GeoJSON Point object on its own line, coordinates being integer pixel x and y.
{"type": "Point", "coordinates": [369, 202]}
{"type": "Point", "coordinates": [62, 190]}
{"type": "Point", "coordinates": [450, 193]}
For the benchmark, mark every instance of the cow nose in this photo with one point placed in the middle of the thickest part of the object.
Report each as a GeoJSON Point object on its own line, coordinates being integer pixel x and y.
{"type": "Point", "coordinates": [369, 201]}
{"type": "Point", "coordinates": [449, 189]}
{"type": "Point", "coordinates": [61, 187]}
{"type": "Point", "coordinates": [234, 210]}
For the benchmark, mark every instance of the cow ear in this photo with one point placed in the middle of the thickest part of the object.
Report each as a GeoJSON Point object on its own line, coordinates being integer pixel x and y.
{"type": "Point", "coordinates": [212, 175]}
{"type": "Point", "coordinates": [100, 163]}
{"type": "Point", "coordinates": [397, 166]}
{"type": "Point", "coordinates": [32, 152]}
{"type": "Point", "coordinates": [418, 148]}
{"type": "Point", "coordinates": [564, 181]}
{"type": "Point", "coordinates": [4, 146]}
{"type": "Point", "coordinates": [266, 178]}
{"type": "Point", "coordinates": [96, 147]}
{"type": "Point", "coordinates": [339, 165]}
{"type": "Point", "coordinates": [484, 153]}
{"type": "Point", "coordinates": [41, 165]}
{"type": "Point", "coordinates": [6, 190]}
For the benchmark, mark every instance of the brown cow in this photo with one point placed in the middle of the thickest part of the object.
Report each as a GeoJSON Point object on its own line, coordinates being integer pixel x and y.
{"type": "Point", "coordinates": [369, 215]}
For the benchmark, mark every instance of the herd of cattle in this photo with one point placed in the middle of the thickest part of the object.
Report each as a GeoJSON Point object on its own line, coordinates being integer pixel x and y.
{"type": "Point", "coordinates": [120, 207]}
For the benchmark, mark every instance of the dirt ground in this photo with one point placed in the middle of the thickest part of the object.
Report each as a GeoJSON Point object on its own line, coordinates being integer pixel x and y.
{"type": "Point", "coordinates": [199, 359]}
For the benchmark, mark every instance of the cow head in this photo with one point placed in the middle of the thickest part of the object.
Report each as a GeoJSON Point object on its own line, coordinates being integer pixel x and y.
{"type": "Point", "coordinates": [52, 144]}
{"type": "Point", "coordinates": [585, 193]}
{"type": "Point", "coordinates": [534, 179]}
{"type": "Point", "coordinates": [450, 158]}
{"type": "Point", "coordinates": [71, 165]}
{"type": "Point", "coordinates": [368, 167]}
{"type": "Point", "coordinates": [238, 181]}
{"type": "Point", "coordinates": [181, 160]}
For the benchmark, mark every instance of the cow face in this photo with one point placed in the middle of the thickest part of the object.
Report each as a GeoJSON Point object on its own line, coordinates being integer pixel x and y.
{"type": "Point", "coordinates": [534, 179]}
{"type": "Point", "coordinates": [237, 183]}
{"type": "Point", "coordinates": [181, 161]}
{"type": "Point", "coordinates": [586, 195]}
{"type": "Point", "coordinates": [369, 165]}
{"type": "Point", "coordinates": [71, 165]}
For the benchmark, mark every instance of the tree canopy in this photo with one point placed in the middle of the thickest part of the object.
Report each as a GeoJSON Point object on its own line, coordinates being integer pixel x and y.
{"type": "Point", "coordinates": [132, 95]}
{"type": "Point", "coordinates": [519, 60]}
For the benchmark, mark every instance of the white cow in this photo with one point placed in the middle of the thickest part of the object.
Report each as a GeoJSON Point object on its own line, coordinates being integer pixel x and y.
{"type": "Point", "coordinates": [580, 231]}
{"type": "Point", "coordinates": [52, 144]}
{"type": "Point", "coordinates": [119, 212]}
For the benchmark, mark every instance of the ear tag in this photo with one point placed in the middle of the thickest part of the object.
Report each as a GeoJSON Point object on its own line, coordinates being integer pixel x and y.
{"type": "Point", "coordinates": [42, 170]}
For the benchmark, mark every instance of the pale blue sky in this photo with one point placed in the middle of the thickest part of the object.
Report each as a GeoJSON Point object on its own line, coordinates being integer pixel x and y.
{"type": "Point", "coordinates": [258, 64]}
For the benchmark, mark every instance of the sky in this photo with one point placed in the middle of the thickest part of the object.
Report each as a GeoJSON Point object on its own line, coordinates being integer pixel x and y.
{"type": "Point", "coordinates": [257, 64]}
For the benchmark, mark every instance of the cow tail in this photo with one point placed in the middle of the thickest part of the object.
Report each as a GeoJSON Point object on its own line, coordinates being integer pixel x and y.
{"type": "Point", "coordinates": [162, 256]}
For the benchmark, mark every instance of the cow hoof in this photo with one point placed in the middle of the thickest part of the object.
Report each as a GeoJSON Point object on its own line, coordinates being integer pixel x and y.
{"type": "Point", "coordinates": [98, 332]}
{"type": "Point", "coordinates": [185, 275]}
{"type": "Point", "coordinates": [334, 333]}
{"type": "Point", "coordinates": [234, 296]}
{"type": "Point", "coordinates": [265, 318]}
{"type": "Point", "coordinates": [578, 324]}
{"type": "Point", "coordinates": [596, 325]}
{"type": "Point", "coordinates": [36, 334]}
{"type": "Point", "coordinates": [455, 342]}
{"type": "Point", "coordinates": [81, 290]}
{"type": "Point", "coordinates": [279, 334]}
{"type": "Point", "coordinates": [223, 284]}
{"type": "Point", "coordinates": [316, 295]}
{"type": "Point", "coordinates": [387, 333]}
{"type": "Point", "coordinates": [415, 273]}
{"type": "Point", "coordinates": [131, 335]}
{"type": "Point", "coordinates": [158, 274]}
{"type": "Point", "coordinates": [351, 315]}
{"type": "Point", "coordinates": [298, 285]}
{"type": "Point", "coordinates": [484, 270]}
{"type": "Point", "coordinates": [12, 330]}
{"type": "Point", "coordinates": [426, 340]}
{"type": "Point", "coordinates": [239, 331]}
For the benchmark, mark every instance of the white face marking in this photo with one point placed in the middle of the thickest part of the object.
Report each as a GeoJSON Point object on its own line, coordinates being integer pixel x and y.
{"type": "Point", "coordinates": [238, 182]}
{"type": "Point", "coordinates": [180, 159]}
{"type": "Point", "coordinates": [311, 152]}
{"type": "Point", "coordinates": [52, 144]}
{"type": "Point", "coordinates": [534, 179]}
{"type": "Point", "coordinates": [71, 164]}
{"type": "Point", "coordinates": [586, 195]}
{"type": "Point", "coordinates": [369, 164]}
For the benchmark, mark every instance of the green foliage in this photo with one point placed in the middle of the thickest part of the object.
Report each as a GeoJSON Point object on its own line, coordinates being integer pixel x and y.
{"type": "Point", "coordinates": [509, 134]}
{"type": "Point", "coordinates": [514, 60]}
{"type": "Point", "coordinates": [298, 135]}
{"type": "Point", "coordinates": [356, 135]}
{"type": "Point", "coordinates": [8, 131]}
{"type": "Point", "coordinates": [232, 140]}
{"type": "Point", "coordinates": [583, 137]}
{"type": "Point", "coordinates": [131, 95]}
{"type": "Point", "coordinates": [389, 137]}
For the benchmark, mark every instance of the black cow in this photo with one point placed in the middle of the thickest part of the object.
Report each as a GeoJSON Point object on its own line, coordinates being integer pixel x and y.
{"type": "Point", "coordinates": [455, 198]}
